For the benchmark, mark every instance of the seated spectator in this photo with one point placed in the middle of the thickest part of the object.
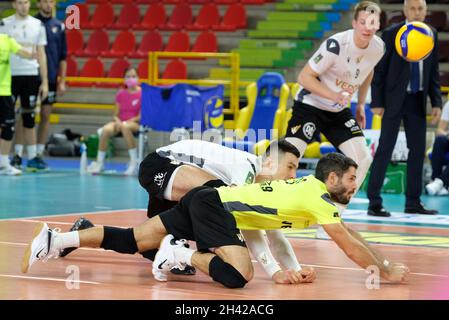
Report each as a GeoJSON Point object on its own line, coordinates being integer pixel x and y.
{"type": "Point", "coordinates": [440, 177]}
{"type": "Point", "coordinates": [125, 123]}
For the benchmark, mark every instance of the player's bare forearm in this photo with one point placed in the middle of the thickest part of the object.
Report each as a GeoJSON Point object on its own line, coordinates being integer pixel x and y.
{"type": "Point", "coordinates": [357, 235]}
{"type": "Point", "coordinates": [62, 70]}
{"type": "Point", "coordinates": [309, 80]}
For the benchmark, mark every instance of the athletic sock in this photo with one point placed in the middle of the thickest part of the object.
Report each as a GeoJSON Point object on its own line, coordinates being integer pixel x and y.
{"type": "Point", "coordinates": [67, 240]}
{"type": "Point", "coordinates": [133, 154]}
{"type": "Point", "coordinates": [4, 160]}
{"type": "Point", "coordinates": [101, 156]}
{"type": "Point", "coordinates": [31, 151]}
{"type": "Point", "coordinates": [18, 149]}
{"type": "Point", "coordinates": [40, 149]}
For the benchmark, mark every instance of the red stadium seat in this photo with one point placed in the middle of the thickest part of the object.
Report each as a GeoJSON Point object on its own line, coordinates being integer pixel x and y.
{"type": "Point", "coordinates": [180, 17]}
{"type": "Point", "coordinates": [179, 41]}
{"type": "Point", "coordinates": [122, 1]}
{"type": "Point", "coordinates": [198, 1]}
{"type": "Point", "coordinates": [129, 16]}
{"type": "Point", "coordinates": [175, 69]}
{"type": "Point", "coordinates": [117, 70]}
{"type": "Point", "coordinates": [151, 41]}
{"type": "Point", "coordinates": [75, 42]}
{"type": "Point", "coordinates": [225, 1]}
{"type": "Point", "coordinates": [205, 42]}
{"type": "Point", "coordinates": [97, 43]}
{"type": "Point", "coordinates": [153, 18]}
{"type": "Point", "coordinates": [103, 16]}
{"type": "Point", "coordinates": [72, 67]}
{"type": "Point", "coordinates": [234, 18]}
{"type": "Point", "coordinates": [207, 17]}
{"type": "Point", "coordinates": [124, 45]}
{"type": "Point", "coordinates": [142, 69]}
{"type": "Point", "coordinates": [93, 68]}
{"type": "Point", "coordinates": [84, 14]}
{"type": "Point", "coordinates": [252, 2]}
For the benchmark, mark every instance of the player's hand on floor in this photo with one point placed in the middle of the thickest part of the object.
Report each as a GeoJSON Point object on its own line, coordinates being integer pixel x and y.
{"type": "Point", "coordinates": [398, 272]}
{"type": "Point", "coordinates": [294, 277]}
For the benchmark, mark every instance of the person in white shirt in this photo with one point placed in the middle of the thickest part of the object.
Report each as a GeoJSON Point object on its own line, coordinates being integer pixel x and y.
{"type": "Point", "coordinates": [342, 66]}
{"type": "Point", "coordinates": [172, 171]}
{"type": "Point", "coordinates": [29, 79]}
{"type": "Point", "coordinates": [440, 168]}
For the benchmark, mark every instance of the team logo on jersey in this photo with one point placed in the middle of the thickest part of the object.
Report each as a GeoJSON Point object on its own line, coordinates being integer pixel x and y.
{"type": "Point", "coordinates": [159, 179]}
{"type": "Point", "coordinates": [54, 29]}
{"type": "Point", "coordinates": [350, 123]}
{"type": "Point", "coordinates": [359, 59]}
{"type": "Point", "coordinates": [333, 46]}
{"type": "Point", "coordinates": [295, 129]}
{"type": "Point", "coordinates": [318, 58]}
{"type": "Point", "coordinates": [309, 129]}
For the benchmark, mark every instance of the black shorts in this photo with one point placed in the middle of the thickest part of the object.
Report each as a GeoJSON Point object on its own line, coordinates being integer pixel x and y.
{"type": "Point", "coordinates": [154, 174]}
{"type": "Point", "coordinates": [7, 113]}
{"type": "Point", "coordinates": [26, 88]}
{"type": "Point", "coordinates": [338, 127]}
{"type": "Point", "coordinates": [201, 217]}
{"type": "Point", "coordinates": [51, 97]}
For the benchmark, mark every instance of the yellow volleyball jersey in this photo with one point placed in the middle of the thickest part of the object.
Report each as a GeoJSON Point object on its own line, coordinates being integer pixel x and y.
{"type": "Point", "coordinates": [296, 203]}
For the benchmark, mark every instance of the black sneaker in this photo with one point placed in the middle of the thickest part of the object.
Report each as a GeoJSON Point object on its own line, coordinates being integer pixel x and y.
{"type": "Point", "coordinates": [188, 271]}
{"type": "Point", "coordinates": [16, 162]}
{"type": "Point", "coordinates": [378, 212]}
{"type": "Point", "coordinates": [80, 224]}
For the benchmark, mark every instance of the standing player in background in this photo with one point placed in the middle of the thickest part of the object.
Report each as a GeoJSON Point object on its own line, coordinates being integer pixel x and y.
{"type": "Point", "coordinates": [8, 46]}
{"type": "Point", "coordinates": [26, 84]}
{"type": "Point", "coordinates": [399, 92]}
{"type": "Point", "coordinates": [56, 51]}
{"type": "Point", "coordinates": [342, 66]}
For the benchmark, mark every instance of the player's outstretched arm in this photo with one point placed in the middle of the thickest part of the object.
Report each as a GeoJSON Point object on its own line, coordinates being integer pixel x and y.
{"type": "Point", "coordinates": [259, 248]}
{"type": "Point", "coordinates": [360, 254]}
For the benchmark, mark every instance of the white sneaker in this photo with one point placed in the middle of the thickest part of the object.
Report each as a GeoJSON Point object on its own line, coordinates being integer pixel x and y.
{"type": "Point", "coordinates": [321, 234]}
{"type": "Point", "coordinates": [41, 247]}
{"type": "Point", "coordinates": [95, 167]}
{"type": "Point", "coordinates": [443, 192]}
{"type": "Point", "coordinates": [434, 187]}
{"type": "Point", "coordinates": [132, 169]}
{"type": "Point", "coordinates": [165, 258]}
{"type": "Point", "coordinates": [10, 171]}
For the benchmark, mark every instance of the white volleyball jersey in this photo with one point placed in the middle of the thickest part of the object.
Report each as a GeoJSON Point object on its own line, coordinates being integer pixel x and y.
{"type": "Point", "coordinates": [232, 166]}
{"type": "Point", "coordinates": [341, 65]}
{"type": "Point", "coordinates": [29, 33]}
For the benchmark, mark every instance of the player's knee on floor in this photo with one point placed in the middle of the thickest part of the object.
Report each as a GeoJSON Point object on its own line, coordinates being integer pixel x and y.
{"type": "Point", "coordinates": [28, 119]}
{"type": "Point", "coordinates": [119, 239]}
{"type": "Point", "coordinates": [7, 131]}
{"type": "Point", "coordinates": [226, 274]}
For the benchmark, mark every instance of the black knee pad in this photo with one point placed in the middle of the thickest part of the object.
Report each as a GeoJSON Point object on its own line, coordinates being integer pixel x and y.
{"type": "Point", "coordinates": [119, 239]}
{"type": "Point", "coordinates": [28, 119]}
{"type": "Point", "coordinates": [226, 274]}
{"type": "Point", "coordinates": [7, 131]}
{"type": "Point", "coordinates": [150, 254]}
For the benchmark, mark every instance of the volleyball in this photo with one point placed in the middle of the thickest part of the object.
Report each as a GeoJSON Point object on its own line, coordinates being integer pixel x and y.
{"type": "Point", "coordinates": [414, 41]}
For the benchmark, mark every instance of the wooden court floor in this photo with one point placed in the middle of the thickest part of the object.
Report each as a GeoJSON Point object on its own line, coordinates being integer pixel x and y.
{"type": "Point", "coordinates": [99, 274]}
